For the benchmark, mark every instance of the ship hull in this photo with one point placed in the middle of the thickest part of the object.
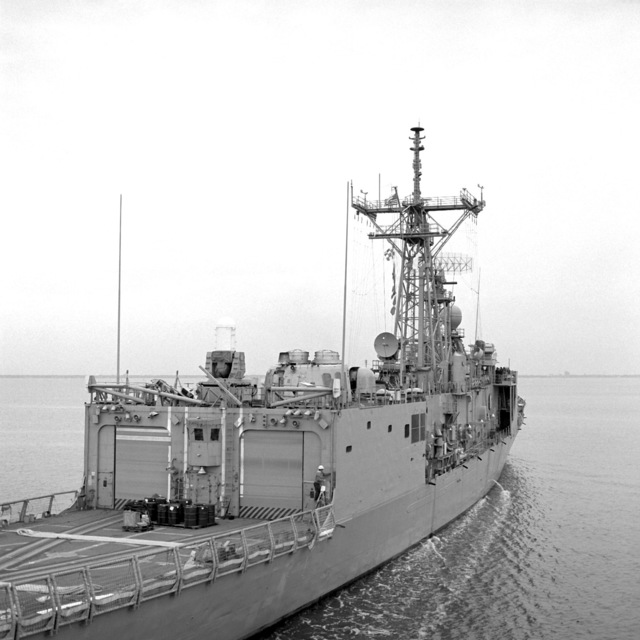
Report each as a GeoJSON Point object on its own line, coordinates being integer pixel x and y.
{"type": "Point", "coordinates": [238, 606]}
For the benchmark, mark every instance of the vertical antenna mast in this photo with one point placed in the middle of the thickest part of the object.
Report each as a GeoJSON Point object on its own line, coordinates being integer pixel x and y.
{"type": "Point", "coordinates": [119, 287]}
{"type": "Point", "coordinates": [419, 332]}
{"type": "Point", "coordinates": [475, 337]}
{"type": "Point", "coordinates": [417, 165]}
{"type": "Point", "coordinates": [344, 298]}
{"type": "Point", "coordinates": [422, 304]}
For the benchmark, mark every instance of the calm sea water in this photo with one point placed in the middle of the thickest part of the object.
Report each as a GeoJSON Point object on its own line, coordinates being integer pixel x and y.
{"type": "Point", "coordinates": [552, 553]}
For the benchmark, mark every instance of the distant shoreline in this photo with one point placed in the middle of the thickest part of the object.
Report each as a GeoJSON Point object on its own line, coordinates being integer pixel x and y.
{"type": "Point", "coordinates": [195, 375]}
{"type": "Point", "coordinates": [579, 375]}
{"type": "Point", "coordinates": [107, 375]}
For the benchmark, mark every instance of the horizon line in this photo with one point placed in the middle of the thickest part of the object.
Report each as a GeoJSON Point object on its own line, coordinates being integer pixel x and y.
{"type": "Point", "coordinates": [195, 375]}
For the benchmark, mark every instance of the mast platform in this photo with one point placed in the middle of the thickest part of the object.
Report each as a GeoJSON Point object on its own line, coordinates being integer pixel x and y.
{"type": "Point", "coordinates": [464, 202]}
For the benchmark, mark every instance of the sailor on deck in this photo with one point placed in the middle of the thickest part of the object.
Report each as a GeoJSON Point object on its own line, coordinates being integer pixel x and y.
{"type": "Point", "coordinates": [318, 483]}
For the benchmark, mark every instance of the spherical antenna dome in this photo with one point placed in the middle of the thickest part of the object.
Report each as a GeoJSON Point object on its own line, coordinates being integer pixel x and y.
{"type": "Point", "coordinates": [455, 317]}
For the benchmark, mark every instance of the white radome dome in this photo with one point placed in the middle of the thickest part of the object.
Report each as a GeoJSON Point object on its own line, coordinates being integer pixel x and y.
{"type": "Point", "coordinates": [455, 317]}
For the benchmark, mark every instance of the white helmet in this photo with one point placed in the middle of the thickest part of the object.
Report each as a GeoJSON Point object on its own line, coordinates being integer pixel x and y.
{"type": "Point", "coordinates": [320, 467]}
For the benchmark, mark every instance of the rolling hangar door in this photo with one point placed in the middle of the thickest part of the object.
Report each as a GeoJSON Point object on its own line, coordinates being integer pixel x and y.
{"type": "Point", "coordinates": [141, 462]}
{"type": "Point", "coordinates": [275, 466]}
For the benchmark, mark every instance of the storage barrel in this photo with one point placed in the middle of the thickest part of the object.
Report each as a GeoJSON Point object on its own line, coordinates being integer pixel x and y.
{"type": "Point", "coordinates": [174, 514]}
{"type": "Point", "coordinates": [163, 514]}
{"type": "Point", "coordinates": [151, 505]}
{"type": "Point", "coordinates": [203, 515]}
{"type": "Point", "coordinates": [211, 520]}
{"type": "Point", "coordinates": [190, 516]}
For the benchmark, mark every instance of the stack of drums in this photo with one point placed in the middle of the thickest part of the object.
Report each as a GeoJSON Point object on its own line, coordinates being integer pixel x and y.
{"type": "Point", "coordinates": [152, 505]}
{"type": "Point", "coordinates": [182, 513]}
{"type": "Point", "coordinates": [163, 513]}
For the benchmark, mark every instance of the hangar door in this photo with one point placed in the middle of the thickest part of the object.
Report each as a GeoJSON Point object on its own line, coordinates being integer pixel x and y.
{"type": "Point", "coordinates": [275, 465]}
{"type": "Point", "coordinates": [141, 463]}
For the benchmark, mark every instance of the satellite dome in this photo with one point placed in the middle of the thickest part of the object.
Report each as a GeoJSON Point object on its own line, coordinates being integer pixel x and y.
{"type": "Point", "coordinates": [455, 317]}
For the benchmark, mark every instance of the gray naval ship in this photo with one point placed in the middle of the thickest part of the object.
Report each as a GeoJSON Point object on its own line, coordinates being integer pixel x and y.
{"type": "Point", "coordinates": [219, 510]}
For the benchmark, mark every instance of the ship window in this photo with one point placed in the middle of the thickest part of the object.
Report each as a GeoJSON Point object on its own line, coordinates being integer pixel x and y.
{"type": "Point", "coordinates": [215, 434]}
{"type": "Point", "coordinates": [407, 430]}
{"type": "Point", "coordinates": [349, 449]}
{"type": "Point", "coordinates": [390, 428]}
{"type": "Point", "coordinates": [368, 424]}
{"type": "Point", "coordinates": [198, 434]}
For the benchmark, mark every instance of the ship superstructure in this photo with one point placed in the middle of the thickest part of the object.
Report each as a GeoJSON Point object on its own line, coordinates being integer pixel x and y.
{"type": "Point", "coordinates": [323, 468]}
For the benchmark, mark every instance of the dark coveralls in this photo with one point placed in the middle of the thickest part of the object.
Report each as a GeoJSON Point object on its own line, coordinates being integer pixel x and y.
{"type": "Point", "coordinates": [317, 484]}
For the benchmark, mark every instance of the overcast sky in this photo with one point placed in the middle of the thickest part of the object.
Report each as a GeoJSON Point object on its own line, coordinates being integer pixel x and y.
{"type": "Point", "coordinates": [231, 129]}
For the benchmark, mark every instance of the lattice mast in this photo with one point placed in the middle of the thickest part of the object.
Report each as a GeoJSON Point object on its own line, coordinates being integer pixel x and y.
{"type": "Point", "coordinates": [422, 303]}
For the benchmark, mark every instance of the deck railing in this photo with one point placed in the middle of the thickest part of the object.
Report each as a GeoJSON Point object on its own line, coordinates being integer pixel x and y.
{"type": "Point", "coordinates": [394, 204]}
{"type": "Point", "coordinates": [31, 509]}
{"type": "Point", "coordinates": [49, 602]}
